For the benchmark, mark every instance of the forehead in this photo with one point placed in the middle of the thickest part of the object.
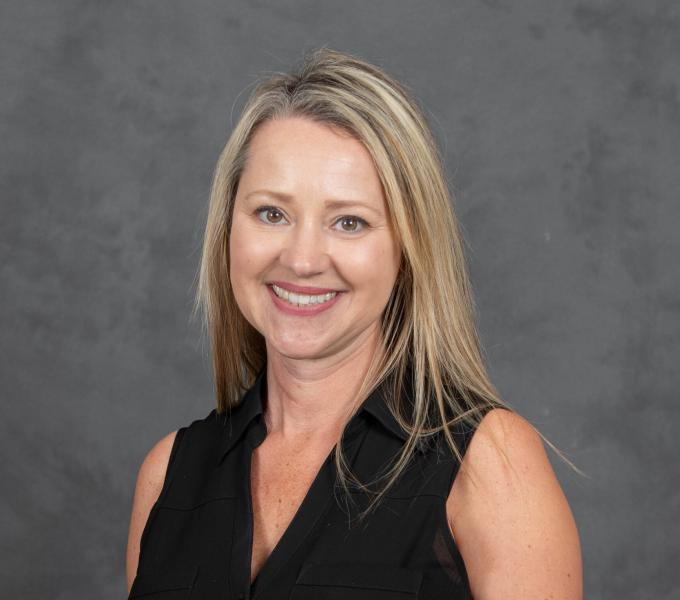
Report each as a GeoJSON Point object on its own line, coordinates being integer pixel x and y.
{"type": "Point", "coordinates": [298, 152]}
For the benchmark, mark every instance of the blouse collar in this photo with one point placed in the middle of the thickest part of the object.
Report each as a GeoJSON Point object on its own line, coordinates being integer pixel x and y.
{"type": "Point", "coordinates": [237, 419]}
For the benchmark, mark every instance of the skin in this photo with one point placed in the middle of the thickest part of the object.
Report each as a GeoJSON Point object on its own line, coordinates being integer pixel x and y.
{"type": "Point", "coordinates": [514, 527]}
{"type": "Point", "coordinates": [509, 516]}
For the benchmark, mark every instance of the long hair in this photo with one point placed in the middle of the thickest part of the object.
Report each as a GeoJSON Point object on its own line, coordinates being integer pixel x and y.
{"type": "Point", "coordinates": [428, 328]}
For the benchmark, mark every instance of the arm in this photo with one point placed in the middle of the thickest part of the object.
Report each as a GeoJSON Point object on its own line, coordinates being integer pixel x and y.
{"type": "Point", "coordinates": [149, 484]}
{"type": "Point", "coordinates": [510, 519]}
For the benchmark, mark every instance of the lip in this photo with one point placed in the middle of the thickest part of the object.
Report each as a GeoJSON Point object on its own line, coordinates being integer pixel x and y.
{"type": "Point", "coordinates": [304, 311]}
{"type": "Point", "coordinates": [302, 289]}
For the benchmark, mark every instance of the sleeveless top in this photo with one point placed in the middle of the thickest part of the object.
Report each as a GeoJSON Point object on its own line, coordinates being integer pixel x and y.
{"type": "Point", "coordinates": [197, 541]}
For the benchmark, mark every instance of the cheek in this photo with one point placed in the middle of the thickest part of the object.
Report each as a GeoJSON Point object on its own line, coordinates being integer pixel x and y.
{"type": "Point", "coordinates": [248, 251]}
{"type": "Point", "coordinates": [371, 265]}
{"type": "Point", "coordinates": [243, 269]}
{"type": "Point", "coordinates": [236, 255]}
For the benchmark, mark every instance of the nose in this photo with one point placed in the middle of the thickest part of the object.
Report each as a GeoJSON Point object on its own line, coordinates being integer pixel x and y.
{"type": "Point", "coordinates": [305, 250]}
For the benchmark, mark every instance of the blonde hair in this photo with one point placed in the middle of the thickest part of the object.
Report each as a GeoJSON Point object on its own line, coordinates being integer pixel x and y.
{"type": "Point", "coordinates": [428, 325]}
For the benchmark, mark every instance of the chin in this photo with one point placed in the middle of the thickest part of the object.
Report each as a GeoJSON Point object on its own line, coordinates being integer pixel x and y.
{"type": "Point", "coordinates": [297, 349]}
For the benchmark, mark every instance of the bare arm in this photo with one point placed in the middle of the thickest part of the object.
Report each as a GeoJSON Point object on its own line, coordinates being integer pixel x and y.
{"type": "Point", "coordinates": [510, 518]}
{"type": "Point", "coordinates": [149, 484]}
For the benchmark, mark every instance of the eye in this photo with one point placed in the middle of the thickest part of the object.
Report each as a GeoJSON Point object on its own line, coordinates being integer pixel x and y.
{"type": "Point", "coordinates": [358, 223]}
{"type": "Point", "coordinates": [273, 216]}
{"type": "Point", "coordinates": [268, 210]}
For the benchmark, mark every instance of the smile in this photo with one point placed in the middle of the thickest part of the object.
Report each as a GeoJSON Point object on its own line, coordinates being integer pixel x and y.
{"type": "Point", "coordinates": [302, 305]}
{"type": "Point", "coordinates": [302, 299]}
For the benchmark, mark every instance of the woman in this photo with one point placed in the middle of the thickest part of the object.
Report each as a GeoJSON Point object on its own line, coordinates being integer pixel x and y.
{"type": "Point", "coordinates": [336, 295]}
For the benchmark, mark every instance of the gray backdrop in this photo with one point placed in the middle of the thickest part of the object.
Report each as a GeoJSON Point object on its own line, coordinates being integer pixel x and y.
{"type": "Point", "coordinates": [560, 127]}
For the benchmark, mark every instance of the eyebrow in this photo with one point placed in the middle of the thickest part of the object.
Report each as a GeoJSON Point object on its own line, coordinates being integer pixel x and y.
{"type": "Point", "coordinates": [330, 203]}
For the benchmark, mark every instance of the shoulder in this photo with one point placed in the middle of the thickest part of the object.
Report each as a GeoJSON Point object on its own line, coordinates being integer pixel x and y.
{"type": "Point", "coordinates": [509, 516]}
{"type": "Point", "coordinates": [503, 443]}
{"type": "Point", "coordinates": [151, 475]}
{"type": "Point", "coordinates": [154, 465]}
{"type": "Point", "coordinates": [504, 454]}
{"type": "Point", "coordinates": [153, 468]}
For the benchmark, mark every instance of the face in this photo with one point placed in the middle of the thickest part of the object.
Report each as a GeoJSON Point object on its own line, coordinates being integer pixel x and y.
{"type": "Point", "coordinates": [310, 217]}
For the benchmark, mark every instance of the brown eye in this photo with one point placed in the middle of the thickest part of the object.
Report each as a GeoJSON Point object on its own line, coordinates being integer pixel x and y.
{"type": "Point", "coordinates": [269, 211]}
{"type": "Point", "coordinates": [274, 212]}
{"type": "Point", "coordinates": [355, 224]}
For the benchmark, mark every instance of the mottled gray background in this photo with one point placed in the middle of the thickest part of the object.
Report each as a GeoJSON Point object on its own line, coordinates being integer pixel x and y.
{"type": "Point", "coordinates": [560, 126]}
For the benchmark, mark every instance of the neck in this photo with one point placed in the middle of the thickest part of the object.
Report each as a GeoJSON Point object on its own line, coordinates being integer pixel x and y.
{"type": "Point", "coordinates": [311, 399]}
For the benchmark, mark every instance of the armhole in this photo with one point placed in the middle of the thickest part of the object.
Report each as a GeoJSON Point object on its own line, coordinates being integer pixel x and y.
{"type": "Point", "coordinates": [447, 550]}
{"type": "Point", "coordinates": [172, 463]}
{"type": "Point", "coordinates": [463, 434]}
{"type": "Point", "coordinates": [169, 472]}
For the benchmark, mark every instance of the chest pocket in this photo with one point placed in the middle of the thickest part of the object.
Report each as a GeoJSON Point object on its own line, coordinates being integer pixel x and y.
{"type": "Point", "coordinates": [356, 582]}
{"type": "Point", "coordinates": [165, 585]}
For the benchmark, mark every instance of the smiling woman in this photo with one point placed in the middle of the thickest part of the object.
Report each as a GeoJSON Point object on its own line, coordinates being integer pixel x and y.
{"type": "Point", "coordinates": [358, 448]}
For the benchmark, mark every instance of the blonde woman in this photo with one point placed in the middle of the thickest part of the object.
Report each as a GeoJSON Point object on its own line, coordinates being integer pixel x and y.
{"type": "Point", "coordinates": [357, 448]}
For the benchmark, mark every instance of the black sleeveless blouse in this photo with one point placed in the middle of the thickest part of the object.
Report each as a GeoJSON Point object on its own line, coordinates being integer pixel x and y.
{"type": "Point", "coordinates": [197, 541]}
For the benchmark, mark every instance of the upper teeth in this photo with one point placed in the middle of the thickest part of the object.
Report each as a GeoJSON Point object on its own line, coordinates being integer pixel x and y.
{"type": "Point", "coordinates": [301, 298]}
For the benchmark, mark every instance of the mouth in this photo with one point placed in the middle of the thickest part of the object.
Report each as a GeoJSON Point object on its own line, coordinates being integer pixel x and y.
{"type": "Point", "coordinates": [302, 300]}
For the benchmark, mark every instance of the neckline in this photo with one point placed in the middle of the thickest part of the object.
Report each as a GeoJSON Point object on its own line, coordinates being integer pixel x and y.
{"type": "Point", "coordinates": [313, 507]}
